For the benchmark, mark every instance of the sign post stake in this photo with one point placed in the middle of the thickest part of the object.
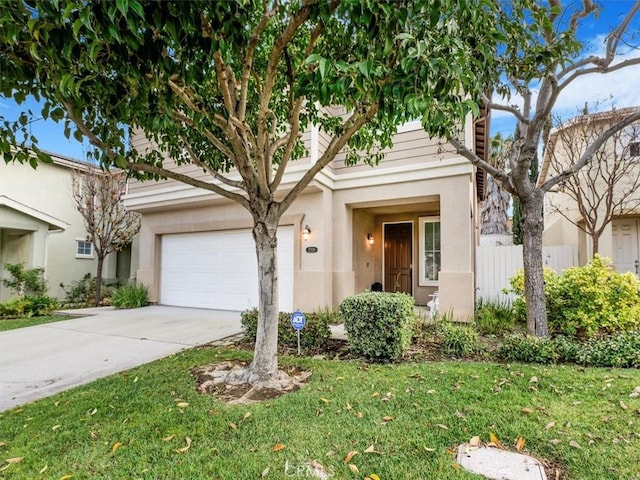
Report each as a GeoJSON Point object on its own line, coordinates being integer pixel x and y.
{"type": "Point", "coordinates": [298, 321]}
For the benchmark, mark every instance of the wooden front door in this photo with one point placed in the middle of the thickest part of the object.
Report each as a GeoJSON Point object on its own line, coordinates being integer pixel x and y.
{"type": "Point", "coordinates": [397, 257]}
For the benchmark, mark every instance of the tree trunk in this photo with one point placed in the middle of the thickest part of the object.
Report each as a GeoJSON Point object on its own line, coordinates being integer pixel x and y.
{"type": "Point", "coordinates": [98, 293]}
{"type": "Point", "coordinates": [265, 357]}
{"type": "Point", "coordinates": [596, 244]}
{"type": "Point", "coordinates": [532, 228]}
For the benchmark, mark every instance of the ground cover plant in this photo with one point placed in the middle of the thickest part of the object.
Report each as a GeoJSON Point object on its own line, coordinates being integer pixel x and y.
{"type": "Point", "coordinates": [13, 323]}
{"type": "Point", "coordinates": [401, 419]}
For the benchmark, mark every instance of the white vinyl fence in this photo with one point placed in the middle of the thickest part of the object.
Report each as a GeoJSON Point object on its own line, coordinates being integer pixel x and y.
{"type": "Point", "coordinates": [496, 265]}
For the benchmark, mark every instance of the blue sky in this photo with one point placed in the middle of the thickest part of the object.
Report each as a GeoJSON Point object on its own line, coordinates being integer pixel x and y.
{"type": "Point", "coordinates": [621, 89]}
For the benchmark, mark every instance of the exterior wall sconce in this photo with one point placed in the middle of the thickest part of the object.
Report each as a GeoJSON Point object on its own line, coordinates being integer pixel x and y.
{"type": "Point", "coordinates": [306, 232]}
{"type": "Point", "coordinates": [370, 238]}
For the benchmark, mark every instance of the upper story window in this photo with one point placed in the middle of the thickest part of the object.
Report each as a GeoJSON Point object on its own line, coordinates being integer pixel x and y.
{"type": "Point", "coordinates": [429, 250]}
{"type": "Point", "coordinates": [84, 249]}
{"type": "Point", "coordinates": [634, 149]}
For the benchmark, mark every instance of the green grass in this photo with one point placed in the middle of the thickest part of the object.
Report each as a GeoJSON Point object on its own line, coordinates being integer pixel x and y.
{"type": "Point", "coordinates": [74, 433]}
{"type": "Point", "coordinates": [13, 323]}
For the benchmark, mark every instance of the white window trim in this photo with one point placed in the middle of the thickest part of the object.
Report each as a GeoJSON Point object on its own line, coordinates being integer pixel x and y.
{"type": "Point", "coordinates": [80, 255]}
{"type": "Point", "coordinates": [422, 281]}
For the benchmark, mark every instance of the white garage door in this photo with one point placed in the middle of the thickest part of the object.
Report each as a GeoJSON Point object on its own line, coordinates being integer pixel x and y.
{"type": "Point", "coordinates": [219, 270]}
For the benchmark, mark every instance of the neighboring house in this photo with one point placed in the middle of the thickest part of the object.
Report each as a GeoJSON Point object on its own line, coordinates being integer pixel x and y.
{"type": "Point", "coordinates": [410, 223]}
{"type": "Point", "coordinates": [40, 226]}
{"type": "Point", "coordinates": [620, 239]}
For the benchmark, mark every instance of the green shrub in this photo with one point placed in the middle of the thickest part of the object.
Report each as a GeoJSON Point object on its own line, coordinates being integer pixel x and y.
{"type": "Point", "coordinates": [621, 350]}
{"type": "Point", "coordinates": [313, 336]}
{"type": "Point", "coordinates": [82, 293]}
{"type": "Point", "coordinates": [41, 305]}
{"type": "Point", "coordinates": [13, 308]}
{"type": "Point", "coordinates": [586, 301]}
{"type": "Point", "coordinates": [456, 339]}
{"type": "Point", "coordinates": [379, 325]}
{"type": "Point", "coordinates": [130, 296]}
{"type": "Point", "coordinates": [494, 317]}
{"type": "Point", "coordinates": [551, 279]}
{"type": "Point", "coordinates": [522, 348]}
{"type": "Point", "coordinates": [25, 282]}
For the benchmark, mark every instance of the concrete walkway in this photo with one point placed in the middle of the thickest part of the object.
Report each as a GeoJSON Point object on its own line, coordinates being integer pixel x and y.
{"type": "Point", "coordinates": [36, 362]}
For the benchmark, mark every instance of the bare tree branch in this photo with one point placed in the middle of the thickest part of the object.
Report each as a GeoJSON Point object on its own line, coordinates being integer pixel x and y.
{"type": "Point", "coordinates": [589, 152]}
{"type": "Point", "coordinates": [496, 173]}
{"type": "Point", "coordinates": [211, 171]}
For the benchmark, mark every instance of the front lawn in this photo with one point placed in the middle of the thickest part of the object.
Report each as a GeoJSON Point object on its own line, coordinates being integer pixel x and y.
{"type": "Point", "coordinates": [13, 323]}
{"type": "Point", "coordinates": [402, 419]}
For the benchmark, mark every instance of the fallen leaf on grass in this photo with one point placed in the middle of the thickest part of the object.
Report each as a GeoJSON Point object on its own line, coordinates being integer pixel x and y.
{"type": "Point", "coordinates": [429, 450]}
{"type": "Point", "coordinates": [14, 460]}
{"type": "Point", "coordinates": [246, 415]}
{"type": "Point", "coordinates": [387, 418]}
{"type": "Point", "coordinates": [43, 469]}
{"type": "Point", "coordinates": [233, 426]}
{"type": "Point", "coordinates": [574, 444]}
{"type": "Point", "coordinates": [185, 448]}
{"type": "Point", "coordinates": [527, 410]}
{"type": "Point", "coordinates": [115, 447]}
{"type": "Point", "coordinates": [353, 468]}
{"type": "Point", "coordinates": [474, 442]}
{"type": "Point", "coordinates": [520, 443]}
{"type": "Point", "coordinates": [375, 394]}
{"type": "Point", "coordinates": [2, 444]}
{"type": "Point", "coordinates": [494, 440]}
{"type": "Point", "coordinates": [182, 404]}
{"type": "Point", "coordinates": [358, 414]}
{"type": "Point", "coordinates": [349, 456]}
{"type": "Point", "coordinates": [431, 392]}
{"type": "Point", "coordinates": [370, 449]}
{"type": "Point", "coordinates": [372, 476]}
{"type": "Point", "coordinates": [549, 425]}
{"type": "Point", "coordinates": [168, 438]}
{"type": "Point", "coordinates": [93, 412]}
{"type": "Point", "coordinates": [265, 472]}
{"type": "Point", "coordinates": [623, 405]}
{"type": "Point", "coordinates": [555, 441]}
{"type": "Point", "coordinates": [635, 393]}
{"type": "Point", "coordinates": [278, 446]}
{"type": "Point", "coordinates": [55, 427]}
{"type": "Point", "coordinates": [533, 379]}
{"type": "Point", "coordinates": [443, 427]}
{"type": "Point", "coordinates": [324, 400]}
{"type": "Point", "coordinates": [66, 477]}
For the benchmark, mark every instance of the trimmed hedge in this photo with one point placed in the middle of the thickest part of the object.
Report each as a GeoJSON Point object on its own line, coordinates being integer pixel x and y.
{"type": "Point", "coordinates": [379, 325]}
{"type": "Point", "coordinates": [621, 350]}
{"type": "Point", "coordinates": [313, 336]}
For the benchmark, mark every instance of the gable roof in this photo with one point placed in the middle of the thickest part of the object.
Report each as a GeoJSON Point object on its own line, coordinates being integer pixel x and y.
{"type": "Point", "coordinates": [53, 222]}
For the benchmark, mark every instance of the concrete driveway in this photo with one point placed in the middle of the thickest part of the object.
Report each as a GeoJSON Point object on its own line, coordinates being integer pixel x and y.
{"type": "Point", "coordinates": [36, 362]}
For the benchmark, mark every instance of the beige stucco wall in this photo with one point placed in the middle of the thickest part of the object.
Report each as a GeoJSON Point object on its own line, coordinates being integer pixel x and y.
{"type": "Point", "coordinates": [47, 190]}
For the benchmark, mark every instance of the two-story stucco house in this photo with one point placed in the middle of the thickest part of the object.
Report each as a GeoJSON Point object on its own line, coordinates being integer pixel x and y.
{"type": "Point", "coordinates": [410, 223]}
{"type": "Point", "coordinates": [40, 226]}
{"type": "Point", "coordinates": [613, 178]}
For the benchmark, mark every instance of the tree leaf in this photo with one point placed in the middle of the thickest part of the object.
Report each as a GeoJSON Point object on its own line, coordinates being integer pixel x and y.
{"type": "Point", "coordinates": [549, 425]}
{"type": "Point", "coordinates": [168, 438]}
{"type": "Point", "coordinates": [115, 447]}
{"type": "Point", "coordinates": [369, 449]}
{"type": "Point", "coordinates": [387, 418]}
{"type": "Point", "coordinates": [278, 446]}
{"type": "Point", "coordinates": [350, 455]}
{"type": "Point", "coordinates": [13, 460]}
{"type": "Point", "coordinates": [186, 447]}
{"type": "Point", "coordinates": [353, 468]}
{"type": "Point", "coordinates": [494, 440]}
{"type": "Point", "coordinates": [520, 443]}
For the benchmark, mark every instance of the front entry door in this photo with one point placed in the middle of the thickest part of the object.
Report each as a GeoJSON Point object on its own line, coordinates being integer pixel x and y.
{"type": "Point", "coordinates": [397, 257]}
{"type": "Point", "coordinates": [626, 245]}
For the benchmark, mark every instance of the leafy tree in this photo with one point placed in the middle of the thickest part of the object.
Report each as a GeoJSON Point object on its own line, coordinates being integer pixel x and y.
{"type": "Point", "coordinates": [230, 86]}
{"type": "Point", "coordinates": [541, 57]}
{"type": "Point", "coordinates": [97, 195]}
{"type": "Point", "coordinates": [606, 187]}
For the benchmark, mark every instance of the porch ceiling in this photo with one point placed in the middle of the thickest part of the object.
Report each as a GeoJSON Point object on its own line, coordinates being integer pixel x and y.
{"type": "Point", "coordinates": [390, 207]}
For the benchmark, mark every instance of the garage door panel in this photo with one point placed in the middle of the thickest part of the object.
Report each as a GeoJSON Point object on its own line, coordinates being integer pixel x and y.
{"type": "Point", "coordinates": [219, 270]}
